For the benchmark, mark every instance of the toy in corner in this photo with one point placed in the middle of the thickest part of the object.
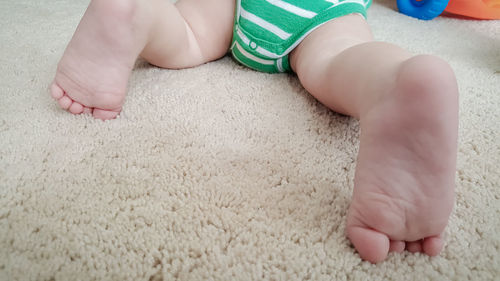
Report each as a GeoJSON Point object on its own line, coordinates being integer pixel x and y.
{"type": "Point", "coordinates": [429, 9]}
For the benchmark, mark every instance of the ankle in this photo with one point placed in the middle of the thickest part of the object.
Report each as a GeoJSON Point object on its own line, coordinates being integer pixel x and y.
{"type": "Point", "coordinates": [127, 22]}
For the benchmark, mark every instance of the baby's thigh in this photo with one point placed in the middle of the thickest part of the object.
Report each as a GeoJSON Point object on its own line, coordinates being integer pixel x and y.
{"type": "Point", "coordinates": [329, 40]}
{"type": "Point", "coordinates": [211, 22]}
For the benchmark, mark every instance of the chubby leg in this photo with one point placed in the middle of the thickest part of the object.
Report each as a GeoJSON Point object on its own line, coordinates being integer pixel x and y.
{"type": "Point", "coordinates": [93, 73]}
{"type": "Point", "coordinates": [408, 111]}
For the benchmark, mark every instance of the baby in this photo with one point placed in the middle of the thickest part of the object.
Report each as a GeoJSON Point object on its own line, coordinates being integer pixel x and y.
{"type": "Point", "coordinates": [407, 105]}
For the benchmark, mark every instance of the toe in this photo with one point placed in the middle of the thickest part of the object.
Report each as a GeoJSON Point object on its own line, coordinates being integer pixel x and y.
{"type": "Point", "coordinates": [433, 245]}
{"type": "Point", "coordinates": [56, 92]}
{"type": "Point", "coordinates": [397, 246]}
{"type": "Point", "coordinates": [414, 246]}
{"type": "Point", "coordinates": [76, 108]}
{"type": "Point", "coordinates": [65, 102]}
{"type": "Point", "coordinates": [105, 114]}
{"type": "Point", "coordinates": [371, 245]}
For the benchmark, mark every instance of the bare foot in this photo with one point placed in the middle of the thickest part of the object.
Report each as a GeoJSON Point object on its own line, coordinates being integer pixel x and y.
{"type": "Point", "coordinates": [93, 73]}
{"type": "Point", "coordinates": [404, 182]}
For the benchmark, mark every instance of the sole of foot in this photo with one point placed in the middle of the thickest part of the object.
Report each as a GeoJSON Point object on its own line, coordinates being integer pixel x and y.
{"type": "Point", "coordinates": [404, 182]}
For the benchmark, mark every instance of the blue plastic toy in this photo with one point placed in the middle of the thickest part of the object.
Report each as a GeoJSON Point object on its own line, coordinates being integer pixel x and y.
{"type": "Point", "coordinates": [429, 9]}
{"type": "Point", "coordinates": [422, 9]}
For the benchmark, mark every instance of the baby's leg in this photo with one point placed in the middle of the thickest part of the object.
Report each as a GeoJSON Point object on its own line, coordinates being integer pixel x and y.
{"type": "Point", "coordinates": [408, 111]}
{"type": "Point", "coordinates": [93, 73]}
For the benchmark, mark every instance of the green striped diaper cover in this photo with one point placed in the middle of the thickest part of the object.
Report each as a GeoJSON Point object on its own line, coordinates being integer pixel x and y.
{"type": "Point", "coordinates": [266, 31]}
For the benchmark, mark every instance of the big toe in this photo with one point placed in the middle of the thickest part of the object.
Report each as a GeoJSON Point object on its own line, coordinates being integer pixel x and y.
{"type": "Point", "coordinates": [371, 245]}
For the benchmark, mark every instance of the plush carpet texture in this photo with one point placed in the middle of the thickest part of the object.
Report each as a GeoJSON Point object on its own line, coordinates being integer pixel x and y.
{"type": "Point", "coordinates": [220, 172]}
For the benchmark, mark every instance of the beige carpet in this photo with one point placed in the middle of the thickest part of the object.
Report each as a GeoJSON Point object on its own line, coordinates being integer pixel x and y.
{"type": "Point", "coordinates": [220, 172]}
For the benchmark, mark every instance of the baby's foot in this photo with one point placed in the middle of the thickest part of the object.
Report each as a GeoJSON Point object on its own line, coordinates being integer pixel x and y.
{"type": "Point", "coordinates": [404, 182]}
{"type": "Point", "coordinates": [93, 73]}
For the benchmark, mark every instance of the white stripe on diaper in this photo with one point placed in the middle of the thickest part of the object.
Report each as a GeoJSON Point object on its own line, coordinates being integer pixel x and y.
{"type": "Point", "coordinates": [242, 36]}
{"type": "Point", "coordinates": [337, 3]}
{"type": "Point", "coordinates": [292, 9]}
{"type": "Point", "coordinates": [267, 53]}
{"type": "Point", "coordinates": [279, 64]}
{"type": "Point", "coordinates": [259, 50]}
{"type": "Point", "coordinates": [265, 24]}
{"type": "Point", "coordinates": [252, 57]}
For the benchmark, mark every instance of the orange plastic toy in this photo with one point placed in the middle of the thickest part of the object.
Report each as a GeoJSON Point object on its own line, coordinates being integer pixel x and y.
{"type": "Point", "coordinates": [479, 9]}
